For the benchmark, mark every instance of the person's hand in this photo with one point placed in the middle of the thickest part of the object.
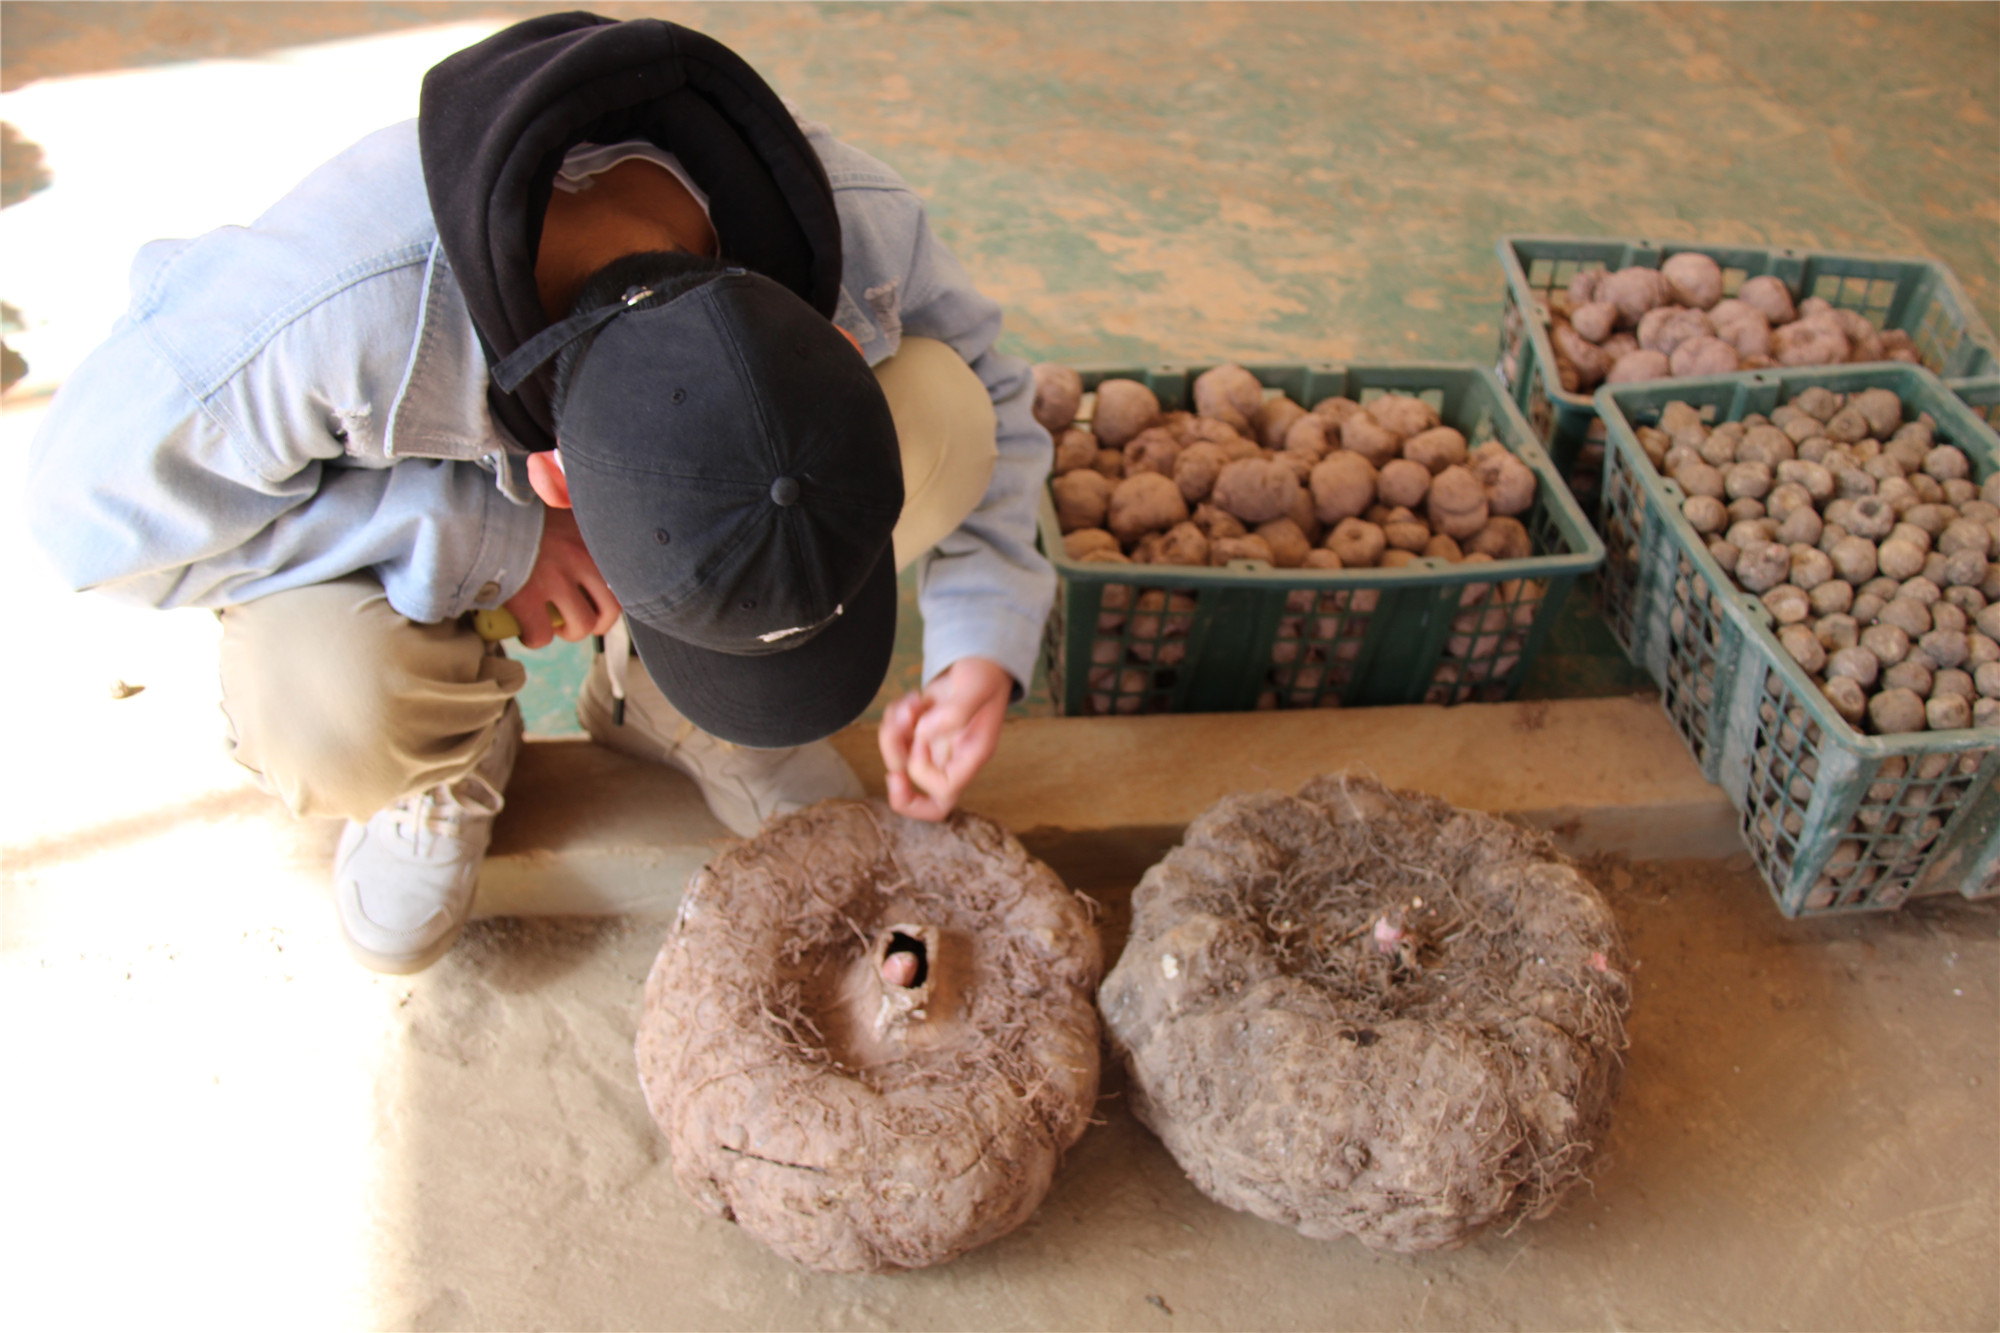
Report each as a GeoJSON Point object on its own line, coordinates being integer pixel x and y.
{"type": "Point", "coordinates": [933, 743]}
{"type": "Point", "coordinates": [565, 580]}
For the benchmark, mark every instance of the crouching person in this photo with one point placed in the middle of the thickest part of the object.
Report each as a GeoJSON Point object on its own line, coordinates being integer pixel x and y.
{"type": "Point", "coordinates": [607, 336]}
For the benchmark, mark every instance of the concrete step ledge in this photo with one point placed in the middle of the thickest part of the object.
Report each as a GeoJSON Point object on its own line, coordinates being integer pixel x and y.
{"type": "Point", "coordinates": [590, 832]}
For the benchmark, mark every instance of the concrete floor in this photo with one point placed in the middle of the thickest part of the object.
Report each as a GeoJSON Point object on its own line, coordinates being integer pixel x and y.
{"type": "Point", "coordinates": [210, 1110]}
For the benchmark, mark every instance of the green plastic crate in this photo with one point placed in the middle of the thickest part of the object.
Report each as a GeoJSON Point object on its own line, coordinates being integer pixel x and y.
{"type": "Point", "coordinates": [1919, 296]}
{"type": "Point", "coordinates": [1982, 395]}
{"type": "Point", "coordinates": [1837, 821]}
{"type": "Point", "coordinates": [1171, 638]}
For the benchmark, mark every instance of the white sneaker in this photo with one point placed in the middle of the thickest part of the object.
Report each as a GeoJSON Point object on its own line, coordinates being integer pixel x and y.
{"type": "Point", "coordinates": [743, 787]}
{"type": "Point", "coordinates": [403, 882]}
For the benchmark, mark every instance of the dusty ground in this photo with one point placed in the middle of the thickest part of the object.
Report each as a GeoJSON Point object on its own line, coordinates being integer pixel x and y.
{"type": "Point", "coordinates": [1806, 1140]}
{"type": "Point", "coordinates": [251, 1125]}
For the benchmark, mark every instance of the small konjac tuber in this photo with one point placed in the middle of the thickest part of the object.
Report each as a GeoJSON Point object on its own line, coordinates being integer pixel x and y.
{"type": "Point", "coordinates": [1343, 486]}
{"type": "Point", "coordinates": [1357, 542]}
{"type": "Point", "coordinates": [1182, 544]}
{"type": "Point", "coordinates": [1272, 421]}
{"type": "Point", "coordinates": [1769, 297]}
{"type": "Point", "coordinates": [1438, 448]}
{"type": "Point", "coordinates": [1703, 356]}
{"type": "Point", "coordinates": [1228, 393]}
{"type": "Point", "coordinates": [1634, 291]}
{"type": "Point", "coordinates": [1074, 449]}
{"type": "Point", "coordinates": [1195, 469]}
{"type": "Point", "coordinates": [1153, 449]}
{"type": "Point", "coordinates": [1362, 434]}
{"type": "Point", "coordinates": [1638, 367]}
{"type": "Point", "coordinates": [1225, 549]}
{"type": "Point", "coordinates": [1082, 499]}
{"type": "Point", "coordinates": [1402, 481]}
{"type": "Point", "coordinates": [1509, 483]}
{"type": "Point", "coordinates": [1286, 541]}
{"type": "Point", "coordinates": [1457, 503]}
{"type": "Point", "coordinates": [1124, 408]}
{"type": "Point", "coordinates": [1692, 279]}
{"type": "Point", "coordinates": [1146, 503]}
{"type": "Point", "coordinates": [1502, 538]}
{"type": "Point", "coordinates": [1084, 542]}
{"type": "Point", "coordinates": [1402, 413]}
{"type": "Point", "coordinates": [1058, 394]}
{"type": "Point", "coordinates": [1256, 490]}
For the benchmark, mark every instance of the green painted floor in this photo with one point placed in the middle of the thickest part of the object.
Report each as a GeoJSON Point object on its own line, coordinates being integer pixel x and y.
{"type": "Point", "coordinates": [1139, 183]}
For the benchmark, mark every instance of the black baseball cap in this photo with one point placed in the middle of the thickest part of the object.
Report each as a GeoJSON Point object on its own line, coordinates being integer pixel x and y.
{"type": "Point", "coordinates": [735, 474]}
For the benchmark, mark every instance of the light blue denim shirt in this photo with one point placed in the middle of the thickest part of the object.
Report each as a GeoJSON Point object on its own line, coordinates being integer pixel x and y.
{"type": "Point", "coordinates": [305, 398]}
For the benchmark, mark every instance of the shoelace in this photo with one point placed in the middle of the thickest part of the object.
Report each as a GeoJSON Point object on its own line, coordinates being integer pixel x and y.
{"type": "Point", "coordinates": [441, 811]}
{"type": "Point", "coordinates": [617, 647]}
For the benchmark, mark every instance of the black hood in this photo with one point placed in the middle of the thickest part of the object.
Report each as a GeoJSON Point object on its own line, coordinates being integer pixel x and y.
{"type": "Point", "coordinates": [497, 118]}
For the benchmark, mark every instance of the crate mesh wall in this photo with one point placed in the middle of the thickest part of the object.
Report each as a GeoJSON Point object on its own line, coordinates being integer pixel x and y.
{"type": "Point", "coordinates": [1697, 631]}
{"type": "Point", "coordinates": [1882, 849]}
{"type": "Point", "coordinates": [1317, 651]}
{"type": "Point", "coordinates": [1982, 396]}
{"type": "Point", "coordinates": [1623, 519]}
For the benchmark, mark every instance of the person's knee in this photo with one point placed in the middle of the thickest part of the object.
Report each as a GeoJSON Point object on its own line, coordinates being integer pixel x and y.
{"type": "Point", "coordinates": [945, 424]}
{"type": "Point", "coordinates": [343, 705]}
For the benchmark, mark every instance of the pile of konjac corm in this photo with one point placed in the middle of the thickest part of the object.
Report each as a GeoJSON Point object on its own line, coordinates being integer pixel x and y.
{"type": "Point", "coordinates": [1639, 324]}
{"type": "Point", "coordinates": [1251, 476]}
{"type": "Point", "coordinates": [1867, 539]}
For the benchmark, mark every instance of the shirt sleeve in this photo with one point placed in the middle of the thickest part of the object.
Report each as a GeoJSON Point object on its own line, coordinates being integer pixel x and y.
{"type": "Point", "coordinates": [147, 491]}
{"type": "Point", "coordinates": [986, 589]}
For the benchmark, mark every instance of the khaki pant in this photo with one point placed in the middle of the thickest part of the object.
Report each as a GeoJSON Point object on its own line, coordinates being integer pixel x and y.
{"type": "Point", "coordinates": [342, 706]}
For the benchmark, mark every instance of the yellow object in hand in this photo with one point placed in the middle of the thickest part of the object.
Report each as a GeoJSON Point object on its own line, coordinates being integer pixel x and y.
{"type": "Point", "coordinates": [499, 623]}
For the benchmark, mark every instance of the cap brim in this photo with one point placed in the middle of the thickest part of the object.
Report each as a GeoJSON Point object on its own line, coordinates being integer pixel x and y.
{"type": "Point", "coordinates": [776, 700]}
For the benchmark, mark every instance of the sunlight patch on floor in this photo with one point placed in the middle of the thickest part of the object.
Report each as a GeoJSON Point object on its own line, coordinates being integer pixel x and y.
{"type": "Point", "coordinates": [177, 150]}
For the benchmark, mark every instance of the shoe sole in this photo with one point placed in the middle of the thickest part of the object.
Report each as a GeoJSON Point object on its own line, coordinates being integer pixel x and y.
{"type": "Point", "coordinates": [402, 965]}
